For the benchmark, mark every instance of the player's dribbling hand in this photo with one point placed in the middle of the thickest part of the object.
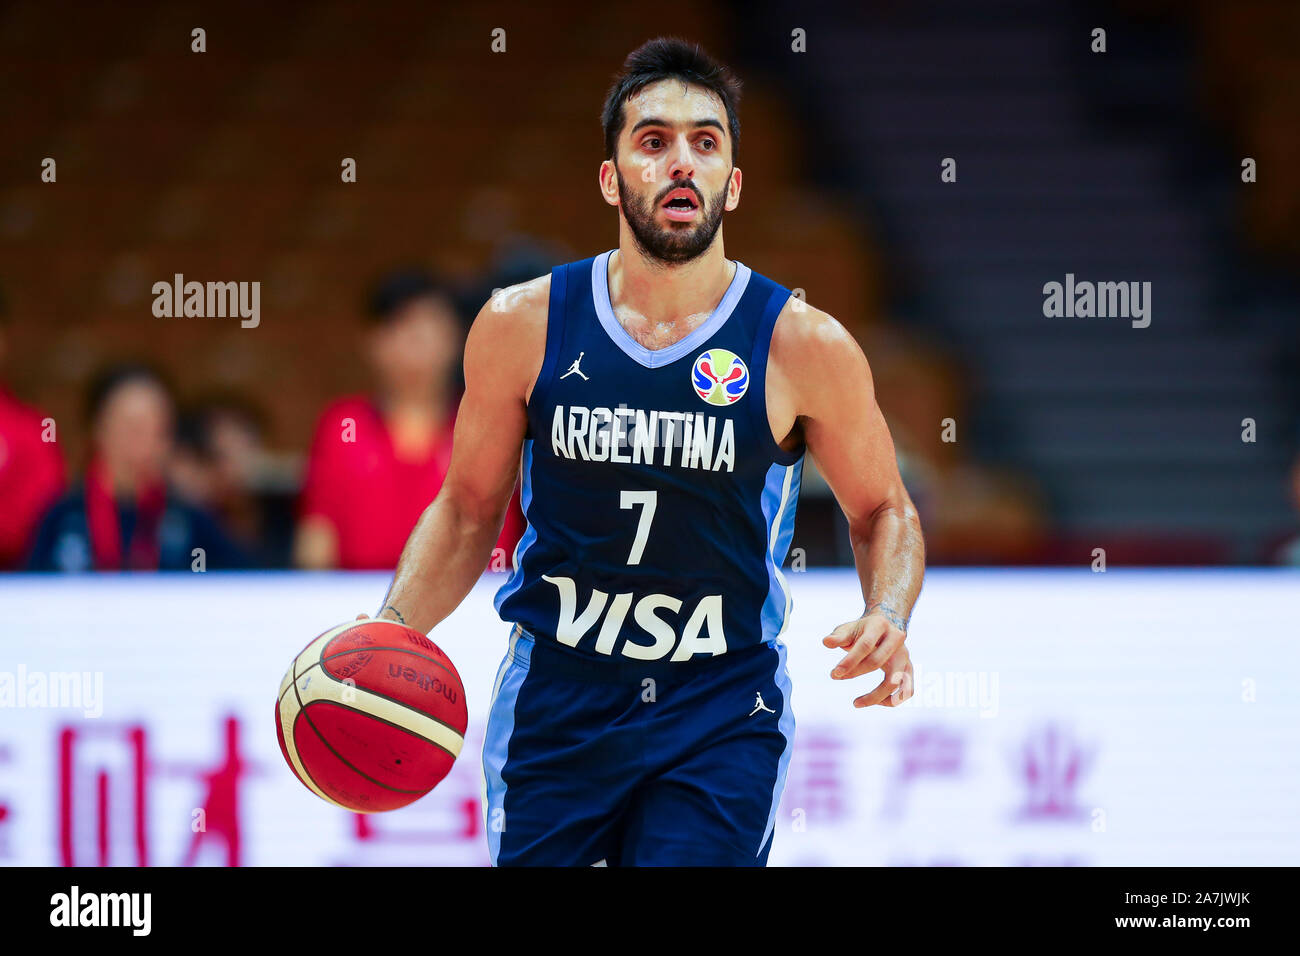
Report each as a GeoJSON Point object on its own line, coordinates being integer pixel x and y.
{"type": "Point", "coordinates": [381, 616]}
{"type": "Point", "coordinates": [874, 642]}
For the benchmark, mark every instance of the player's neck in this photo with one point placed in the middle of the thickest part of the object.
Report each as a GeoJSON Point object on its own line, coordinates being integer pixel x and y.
{"type": "Point", "coordinates": [649, 293]}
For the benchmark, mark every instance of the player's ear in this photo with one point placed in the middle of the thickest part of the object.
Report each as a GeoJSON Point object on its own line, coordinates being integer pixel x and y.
{"type": "Point", "coordinates": [608, 179]}
{"type": "Point", "coordinates": [733, 189]}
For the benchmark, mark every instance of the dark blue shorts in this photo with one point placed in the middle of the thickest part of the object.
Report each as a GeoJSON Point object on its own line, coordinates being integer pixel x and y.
{"type": "Point", "coordinates": [630, 763]}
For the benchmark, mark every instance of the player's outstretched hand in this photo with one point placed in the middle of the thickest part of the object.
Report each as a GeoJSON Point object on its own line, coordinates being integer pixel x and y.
{"type": "Point", "coordinates": [874, 642]}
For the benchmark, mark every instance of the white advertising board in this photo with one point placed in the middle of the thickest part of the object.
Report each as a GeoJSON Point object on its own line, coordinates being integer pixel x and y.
{"type": "Point", "coordinates": [1061, 717]}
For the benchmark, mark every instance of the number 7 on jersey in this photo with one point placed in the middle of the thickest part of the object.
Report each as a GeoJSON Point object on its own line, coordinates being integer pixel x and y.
{"type": "Point", "coordinates": [647, 501]}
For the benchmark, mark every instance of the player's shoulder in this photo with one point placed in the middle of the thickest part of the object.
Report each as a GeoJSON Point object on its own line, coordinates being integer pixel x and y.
{"type": "Point", "coordinates": [509, 333]}
{"type": "Point", "coordinates": [805, 339]}
{"type": "Point", "coordinates": [515, 316]}
{"type": "Point", "coordinates": [516, 310]}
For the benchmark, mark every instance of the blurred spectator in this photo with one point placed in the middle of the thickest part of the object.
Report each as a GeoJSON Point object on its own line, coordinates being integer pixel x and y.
{"type": "Point", "coordinates": [222, 466]}
{"type": "Point", "coordinates": [378, 460]}
{"type": "Point", "coordinates": [121, 515]}
{"type": "Point", "coordinates": [31, 469]}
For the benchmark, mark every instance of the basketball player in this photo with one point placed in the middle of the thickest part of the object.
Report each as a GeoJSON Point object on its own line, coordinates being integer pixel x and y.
{"type": "Point", "coordinates": [661, 398]}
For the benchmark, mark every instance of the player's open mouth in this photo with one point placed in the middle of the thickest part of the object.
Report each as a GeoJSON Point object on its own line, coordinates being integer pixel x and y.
{"type": "Point", "coordinates": [680, 206]}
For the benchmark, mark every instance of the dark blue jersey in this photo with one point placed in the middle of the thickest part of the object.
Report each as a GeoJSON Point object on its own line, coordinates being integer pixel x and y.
{"type": "Point", "coordinates": [659, 506]}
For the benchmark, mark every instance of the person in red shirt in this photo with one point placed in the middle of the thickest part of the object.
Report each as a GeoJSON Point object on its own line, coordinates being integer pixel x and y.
{"type": "Point", "coordinates": [31, 470]}
{"type": "Point", "coordinates": [378, 460]}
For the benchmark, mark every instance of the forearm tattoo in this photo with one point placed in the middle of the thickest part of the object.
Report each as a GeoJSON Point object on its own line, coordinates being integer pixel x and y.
{"type": "Point", "coordinates": [889, 614]}
{"type": "Point", "coordinates": [389, 607]}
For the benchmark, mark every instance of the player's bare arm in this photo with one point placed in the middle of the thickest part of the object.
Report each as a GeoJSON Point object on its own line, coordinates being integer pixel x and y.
{"type": "Point", "coordinates": [452, 542]}
{"type": "Point", "coordinates": [819, 381]}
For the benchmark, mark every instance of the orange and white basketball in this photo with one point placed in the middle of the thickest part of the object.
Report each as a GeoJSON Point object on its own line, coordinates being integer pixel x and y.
{"type": "Point", "coordinates": [371, 715]}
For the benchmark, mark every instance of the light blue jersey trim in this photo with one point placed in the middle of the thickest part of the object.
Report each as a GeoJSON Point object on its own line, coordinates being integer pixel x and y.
{"type": "Point", "coordinates": [654, 358]}
{"type": "Point", "coordinates": [786, 725]}
{"type": "Point", "coordinates": [780, 496]}
{"type": "Point", "coordinates": [516, 579]}
{"type": "Point", "coordinates": [496, 741]}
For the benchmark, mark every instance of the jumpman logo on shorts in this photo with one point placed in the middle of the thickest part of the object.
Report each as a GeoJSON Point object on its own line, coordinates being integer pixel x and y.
{"type": "Point", "coordinates": [574, 368]}
{"type": "Point", "coordinates": [759, 705]}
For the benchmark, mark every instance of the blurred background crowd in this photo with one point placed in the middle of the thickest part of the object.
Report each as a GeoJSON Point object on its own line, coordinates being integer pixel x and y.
{"type": "Point", "coordinates": [316, 438]}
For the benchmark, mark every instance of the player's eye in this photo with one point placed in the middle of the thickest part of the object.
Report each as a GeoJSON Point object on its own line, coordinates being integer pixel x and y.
{"type": "Point", "coordinates": [652, 142]}
{"type": "Point", "coordinates": [709, 143]}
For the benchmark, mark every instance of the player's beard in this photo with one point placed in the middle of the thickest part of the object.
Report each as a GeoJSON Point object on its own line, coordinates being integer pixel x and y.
{"type": "Point", "coordinates": [674, 243]}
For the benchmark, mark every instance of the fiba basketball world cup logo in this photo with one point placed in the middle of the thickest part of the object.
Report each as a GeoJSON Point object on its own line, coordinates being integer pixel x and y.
{"type": "Point", "coordinates": [720, 377]}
